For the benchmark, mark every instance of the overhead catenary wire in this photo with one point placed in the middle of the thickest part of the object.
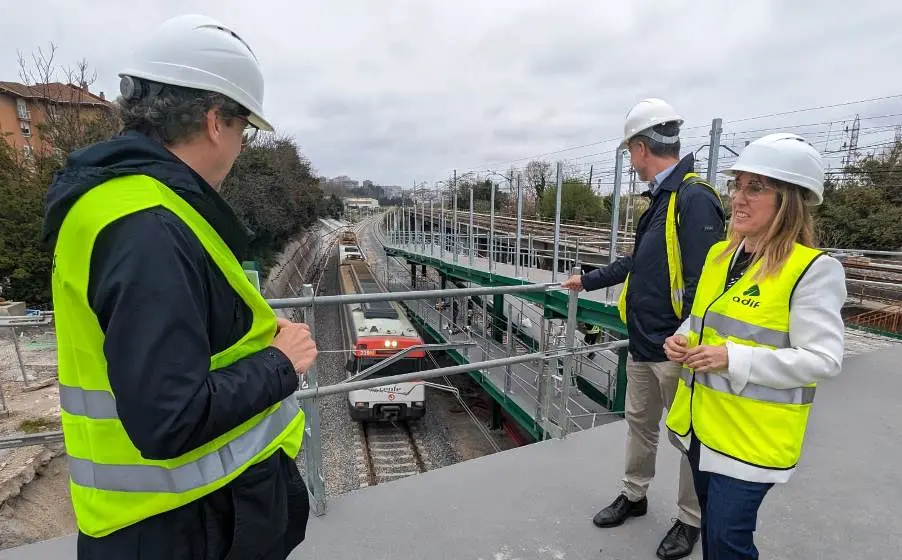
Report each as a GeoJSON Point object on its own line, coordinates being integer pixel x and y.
{"type": "Point", "coordinates": [728, 136]}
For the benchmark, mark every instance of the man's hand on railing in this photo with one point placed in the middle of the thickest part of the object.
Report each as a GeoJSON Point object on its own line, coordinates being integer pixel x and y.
{"type": "Point", "coordinates": [574, 283]}
{"type": "Point", "coordinates": [294, 340]}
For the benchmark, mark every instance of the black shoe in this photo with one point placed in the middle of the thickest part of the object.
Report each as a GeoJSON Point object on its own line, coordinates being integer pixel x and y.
{"type": "Point", "coordinates": [679, 542]}
{"type": "Point", "coordinates": [616, 513]}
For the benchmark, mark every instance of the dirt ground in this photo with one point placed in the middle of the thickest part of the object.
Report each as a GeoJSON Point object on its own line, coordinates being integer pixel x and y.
{"type": "Point", "coordinates": [34, 491]}
{"type": "Point", "coordinates": [467, 442]}
{"type": "Point", "coordinates": [41, 511]}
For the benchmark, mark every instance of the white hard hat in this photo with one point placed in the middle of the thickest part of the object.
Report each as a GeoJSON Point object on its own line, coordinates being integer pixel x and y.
{"type": "Point", "coordinates": [787, 157]}
{"type": "Point", "coordinates": [199, 52]}
{"type": "Point", "coordinates": [647, 114]}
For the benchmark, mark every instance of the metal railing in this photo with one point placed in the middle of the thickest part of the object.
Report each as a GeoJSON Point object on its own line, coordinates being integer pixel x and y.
{"type": "Point", "coordinates": [600, 372]}
{"type": "Point", "coordinates": [553, 395]}
{"type": "Point", "coordinates": [551, 415]}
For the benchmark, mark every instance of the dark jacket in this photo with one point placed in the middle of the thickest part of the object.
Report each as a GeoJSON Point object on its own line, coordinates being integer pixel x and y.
{"type": "Point", "coordinates": [165, 309]}
{"type": "Point", "coordinates": [650, 318]}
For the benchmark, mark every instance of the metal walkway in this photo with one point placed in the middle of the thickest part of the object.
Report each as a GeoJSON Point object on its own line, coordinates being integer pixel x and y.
{"type": "Point", "coordinates": [597, 390]}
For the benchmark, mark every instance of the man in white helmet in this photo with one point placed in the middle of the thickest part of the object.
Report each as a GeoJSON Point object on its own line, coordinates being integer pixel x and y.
{"type": "Point", "coordinates": [176, 378]}
{"type": "Point", "coordinates": [684, 219]}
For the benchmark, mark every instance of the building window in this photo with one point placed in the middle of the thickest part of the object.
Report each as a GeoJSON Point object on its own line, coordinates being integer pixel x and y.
{"type": "Point", "coordinates": [25, 127]}
{"type": "Point", "coordinates": [21, 109]}
{"type": "Point", "coordinates": [29, 152]}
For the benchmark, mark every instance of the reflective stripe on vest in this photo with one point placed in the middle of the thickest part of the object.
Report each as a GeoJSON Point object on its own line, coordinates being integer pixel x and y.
{"type": "Point", "coordinates": [205, 470]}
{"type": "Point", "coordinates": [112, 484]}
{"type": "Point", "coordinates": [762, 426]}
{"type": "Point", "coordinates": [740, 329]}
{"type": "Point", "coordinates": [717, 382]}
{"type": "Point", "coordinates": [674, 259]}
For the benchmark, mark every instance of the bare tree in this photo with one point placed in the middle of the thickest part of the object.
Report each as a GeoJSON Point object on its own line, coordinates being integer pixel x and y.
{"type": "Point", "coordinates": [538, 177]}
{"type": "Point", "coordinates": [71, 116]}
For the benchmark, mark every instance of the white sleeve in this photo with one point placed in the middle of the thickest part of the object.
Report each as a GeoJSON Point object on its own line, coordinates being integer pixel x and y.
{"type": "Point", "coordinates": [816, 332]}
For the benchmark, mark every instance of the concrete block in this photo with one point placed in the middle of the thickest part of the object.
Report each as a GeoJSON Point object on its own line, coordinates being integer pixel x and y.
{"type": "Point", "coordinates": [12, 308]}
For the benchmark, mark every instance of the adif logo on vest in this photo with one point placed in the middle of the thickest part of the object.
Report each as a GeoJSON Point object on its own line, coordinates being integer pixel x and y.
{"type": "Point", "coordinates": [752, 292]}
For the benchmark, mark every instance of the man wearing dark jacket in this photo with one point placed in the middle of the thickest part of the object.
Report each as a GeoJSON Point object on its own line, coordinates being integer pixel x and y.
{"type": "Point", "coordinates": [176, 378]}
{"type": "Point", "coordinates": [654, 306]}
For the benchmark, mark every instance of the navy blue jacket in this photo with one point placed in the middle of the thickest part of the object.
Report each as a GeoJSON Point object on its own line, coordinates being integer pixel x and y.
{"type": "Point", "coordinates": [165, 308]}
{"type": "Point", "coordinates": [650, 318]}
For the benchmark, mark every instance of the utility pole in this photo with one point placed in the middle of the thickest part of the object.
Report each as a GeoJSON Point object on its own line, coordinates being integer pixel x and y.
{"type": "Point", "coordinates": [714, 150]}
{"type": "Point", "coordinates": [615, 207]}
{"type": "Point", "coordinates": [454, 214]}
{"type": "Point", "coordinates": [491, 240]}
{"type": "Point", "coordinates": [519, 227]}
{"type": "Point", "coordinates": [470, 228]}
{"type": "Point", "coordinates": [557, 220]}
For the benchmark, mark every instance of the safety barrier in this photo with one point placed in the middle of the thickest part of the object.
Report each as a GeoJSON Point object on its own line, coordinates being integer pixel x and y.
{"type": "Point", "coordinates": [555, 384]}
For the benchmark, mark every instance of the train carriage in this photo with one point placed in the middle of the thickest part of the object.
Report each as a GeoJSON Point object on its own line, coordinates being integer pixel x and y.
{"type": "Point", "coordinates": [376, 331]}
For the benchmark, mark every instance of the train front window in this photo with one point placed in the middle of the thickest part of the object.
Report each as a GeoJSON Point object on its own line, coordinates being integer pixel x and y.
{"type": "Point", "coordinates": [404, 365]}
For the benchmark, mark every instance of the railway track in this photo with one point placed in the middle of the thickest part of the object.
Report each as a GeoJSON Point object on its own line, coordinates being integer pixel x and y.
{"type": "Point", "coordinates": [543, 228]}
{"type": "Point", "coordinates": [389, 452]}
{"type": "Point", "coordinates": [508, 224]}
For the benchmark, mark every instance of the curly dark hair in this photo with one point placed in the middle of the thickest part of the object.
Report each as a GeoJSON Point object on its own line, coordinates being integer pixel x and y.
{"type": "Point", "coordinates": [174, 114]}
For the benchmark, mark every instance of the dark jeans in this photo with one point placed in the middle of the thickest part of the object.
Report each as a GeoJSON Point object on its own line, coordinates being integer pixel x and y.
{"type": "Point", "coordinates": [729, 509]}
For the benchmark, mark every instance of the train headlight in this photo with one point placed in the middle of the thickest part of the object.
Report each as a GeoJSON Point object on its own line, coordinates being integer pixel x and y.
{"type": "Point", "coordinates": [394, 343]}
{"type": "Point", "coordinates": [387, 343]}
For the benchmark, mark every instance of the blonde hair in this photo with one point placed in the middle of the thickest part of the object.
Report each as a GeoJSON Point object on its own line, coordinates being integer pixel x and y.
{"type": "Point", "coordinates": [792, 224]}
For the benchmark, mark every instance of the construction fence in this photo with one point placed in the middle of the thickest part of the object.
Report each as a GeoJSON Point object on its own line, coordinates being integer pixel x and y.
{"type": "Point", "coordinates": [27, 353]}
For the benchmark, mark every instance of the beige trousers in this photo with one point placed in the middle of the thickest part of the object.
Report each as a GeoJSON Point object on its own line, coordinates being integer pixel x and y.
{"type": "Point", "coordinates": [650, 389]}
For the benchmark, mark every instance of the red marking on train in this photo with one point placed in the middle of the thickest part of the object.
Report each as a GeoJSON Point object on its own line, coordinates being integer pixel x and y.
{"type": "Point", "coordinates": [374, 346]}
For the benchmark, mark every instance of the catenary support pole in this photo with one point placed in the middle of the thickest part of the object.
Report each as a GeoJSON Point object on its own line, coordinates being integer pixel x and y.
{"type": "Point", "coordinates": [714, 150]}
{"type": "Point", "coordinates": [615, 212]}
{"type": "Point", "coordinates": [491, 247]}
{"type": "Point", "coordinates": [519, 227]}
{"type": "Point", "coordinates": [557, 219]}
{"type": "Point", "coordinates": [454, 216]}
{"type": "Point", "coordinates": [472, 240]}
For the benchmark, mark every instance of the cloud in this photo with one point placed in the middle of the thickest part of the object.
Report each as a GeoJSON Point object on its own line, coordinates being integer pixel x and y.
{"type": "Point", "coordinates": [407, 90]}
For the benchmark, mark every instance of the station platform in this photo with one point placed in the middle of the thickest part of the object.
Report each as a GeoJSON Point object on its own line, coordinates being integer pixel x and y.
{"type": "Point", "coordinates": [537, 501]}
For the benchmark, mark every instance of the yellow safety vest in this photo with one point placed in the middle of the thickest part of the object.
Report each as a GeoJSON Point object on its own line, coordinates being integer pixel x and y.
{"type": "Point", "coordinates": [112, 485]}
{"type": "Point", "coordinates": [761, 426]}
{"type": "Point", "coordinates": [674, 260]}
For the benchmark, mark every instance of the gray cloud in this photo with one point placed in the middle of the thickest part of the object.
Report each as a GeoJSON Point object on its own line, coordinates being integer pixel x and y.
{"type": "Point", "coordinates": [397, 91]}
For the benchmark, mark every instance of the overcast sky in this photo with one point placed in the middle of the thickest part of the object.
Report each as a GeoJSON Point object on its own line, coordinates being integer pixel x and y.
{"type": "Point", "coordinates": [403, 91]}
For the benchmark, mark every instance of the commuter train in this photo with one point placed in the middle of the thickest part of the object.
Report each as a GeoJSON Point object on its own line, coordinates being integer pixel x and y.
{"type": "Point", "coordinates": [376, 331]}
{"type": "Point", "coordinates": [347, 247]}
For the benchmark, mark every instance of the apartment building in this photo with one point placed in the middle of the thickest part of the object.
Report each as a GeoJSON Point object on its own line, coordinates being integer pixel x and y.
{"type": "Point", "coordinates": [24, 108]}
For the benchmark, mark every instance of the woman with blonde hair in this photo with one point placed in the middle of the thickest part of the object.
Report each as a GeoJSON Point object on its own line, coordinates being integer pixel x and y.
{"type": "Point", "coordinates": [765, 327]}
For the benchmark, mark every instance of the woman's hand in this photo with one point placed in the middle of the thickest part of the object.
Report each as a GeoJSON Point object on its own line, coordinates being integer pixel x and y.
{"type": "Point", "coordinates": [707, 358]}
{"type": "Point", "coordinates": [675, 347]}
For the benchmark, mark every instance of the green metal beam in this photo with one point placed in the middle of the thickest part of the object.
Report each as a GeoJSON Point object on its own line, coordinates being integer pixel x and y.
{"type": "Point", "coordinates": [873, 330]}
